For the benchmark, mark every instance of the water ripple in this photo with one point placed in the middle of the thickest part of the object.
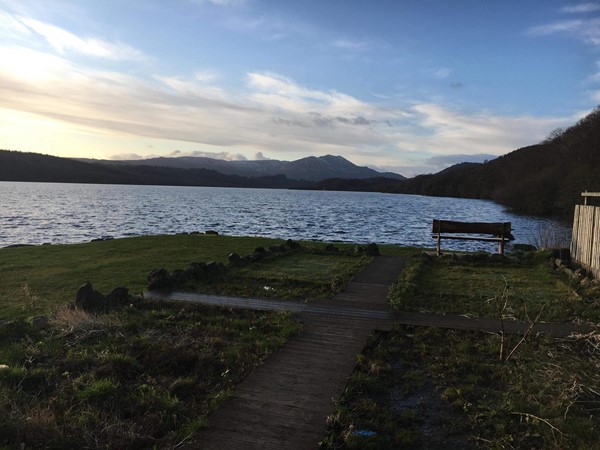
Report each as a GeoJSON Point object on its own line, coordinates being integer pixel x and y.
{"type": "Point", "coordinates": [35, 213]}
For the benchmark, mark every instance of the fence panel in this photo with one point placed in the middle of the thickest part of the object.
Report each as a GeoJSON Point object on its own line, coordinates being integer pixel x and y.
{"type": "Point", "coordinates": [585, 244]}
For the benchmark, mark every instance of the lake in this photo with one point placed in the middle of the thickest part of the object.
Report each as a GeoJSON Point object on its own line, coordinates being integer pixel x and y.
{"type": "Point", "coordinates": [37, 213]}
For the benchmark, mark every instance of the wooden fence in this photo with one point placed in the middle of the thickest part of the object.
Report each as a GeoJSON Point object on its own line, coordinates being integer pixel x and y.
{"type": "Point", "coordinates": [585, 243]}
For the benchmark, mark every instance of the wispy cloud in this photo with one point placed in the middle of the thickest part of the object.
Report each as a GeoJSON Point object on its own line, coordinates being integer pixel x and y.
{"type": "Point", "coordinates": [352, 44]}
{"type": "Point", "coordinates": [271, 114]}
{"type": "Point", "coordinates": [442, 73]}
{"type": "Point", "coordinates": [64, 41]}
{"type": "Point", "coordinates": [581, 8]}
{"type": "Point", "coordinates": [564, 26]}
{"type": "Point", "coordinates": [220, 2]}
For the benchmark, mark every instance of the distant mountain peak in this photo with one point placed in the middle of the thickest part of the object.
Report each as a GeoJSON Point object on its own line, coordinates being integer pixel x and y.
{"type": "Point", "coordinates": [310, 168]}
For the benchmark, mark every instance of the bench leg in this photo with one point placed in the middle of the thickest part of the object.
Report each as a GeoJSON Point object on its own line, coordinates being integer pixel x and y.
{"type": "Point", "coordinates": [501, 247]}
{"type": "Point", "coordinates": [439, 244]}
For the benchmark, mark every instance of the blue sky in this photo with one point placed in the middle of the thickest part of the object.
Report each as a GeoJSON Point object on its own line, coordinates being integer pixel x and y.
{"type": "Point", "coordinates": [408, 86]}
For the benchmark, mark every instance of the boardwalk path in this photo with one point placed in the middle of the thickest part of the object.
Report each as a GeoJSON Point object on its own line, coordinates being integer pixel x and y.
{"type": "Point", "coordinates": [284, 403]}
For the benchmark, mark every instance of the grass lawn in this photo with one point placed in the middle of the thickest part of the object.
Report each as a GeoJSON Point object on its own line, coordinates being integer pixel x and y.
{"type": "Point", "coordinates": [35, 280]}
{"type": "Point", "coordinates": [146, 374]}
{"type": "Point", "coordinates": [426, 387]}
{"type": "Point", "coordinates": [482, 288]}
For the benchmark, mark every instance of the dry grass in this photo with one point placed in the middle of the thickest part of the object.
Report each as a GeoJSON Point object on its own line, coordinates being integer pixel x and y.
{"type": "Point", "coordinates": [69, 319]}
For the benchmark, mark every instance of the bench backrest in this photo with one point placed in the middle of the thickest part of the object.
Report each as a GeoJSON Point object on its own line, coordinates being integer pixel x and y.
{"type": "Point", "coordinates": [494, 228]}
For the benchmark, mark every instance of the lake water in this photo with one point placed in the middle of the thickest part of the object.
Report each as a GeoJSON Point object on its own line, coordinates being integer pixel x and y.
{"type": "Point", "coordinates": [37, 213]}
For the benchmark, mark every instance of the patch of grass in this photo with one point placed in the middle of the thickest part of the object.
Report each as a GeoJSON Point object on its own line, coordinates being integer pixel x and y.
{"type": "Point", "coordinates": [447, 389]}
{"type": "Point", "coordinates": [447, 285]}
{"type": "Point", "coordinates": [300, 275]}
{"type": "Point", "coordinates": [145, 376]}
{"type": "Point", "coordinates": [36, 280]}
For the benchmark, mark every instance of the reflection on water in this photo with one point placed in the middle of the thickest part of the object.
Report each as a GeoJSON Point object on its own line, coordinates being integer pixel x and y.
{"type": "Point", "coordinates": [36, 213]}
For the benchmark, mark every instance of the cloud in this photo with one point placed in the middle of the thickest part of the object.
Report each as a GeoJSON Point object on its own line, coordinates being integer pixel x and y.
{"type": "Point", "coordinates": [220, 2]}
{"type": "Point", "coordinates": [351, 44]}
{"type": "Point", "coordinates": [442, 73]}
{"type": "Point", "coordinates": [457, 85]}
{"type": "Point", "coordinates": [259, 156]}
{"type": "Point", "coordinates": [581, 8]}
{"type": "Point", "coordinates": [272, 113]}
{"type": "Point", "coordinates": [461, 133]}
{"type": "Point", "coordinates": [226, 156]}
{"type": "Point", "coordinates": [64, 41]}
{"type": "Point", "coordinates": [125, 157]}
{"type": "Point", "coordinates": [586, 30]}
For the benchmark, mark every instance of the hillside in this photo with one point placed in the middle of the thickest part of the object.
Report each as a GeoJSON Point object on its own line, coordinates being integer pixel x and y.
{"type": "Point", "coordinates": [542, 179]}
{"type": "Point", "coordinates": [311, 168]}
{"type": "Point", "coordinates": [19, 166]}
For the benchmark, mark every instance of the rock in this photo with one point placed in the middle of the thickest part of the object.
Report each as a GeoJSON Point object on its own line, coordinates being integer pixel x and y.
{"type": "Point", "coordinates": [103, 238]}
{"type": "Point", "coordinates": [566, 270]}
{"type": "Point", "coordinates": [358, 249]}
{"type": "Point", "coordinates": [160, 279]}
{"type": "Point", "coordinates": [558, 262]}
{"type": "Point", "coordinates": [196, 271]}
{"type": "Point", "coordinates": [252, 257]}
{"type": "Point", "coordinates": [90, 300]}
{"type": "Point", "coordinates": [524, 247]}
{"type": "Point", "coordinates": [275, 248]}
{"type": "Point", "coordinates": [214, 268]}
{"type": "Point", "coordinates": [580, 273]}
{"type": "Point", "coordinates": [118, 296]}
{"type": "Point", "coordinates": [40, 322]}
{"type": "Point", "coordinates": [330, 248]}
{"type": "Point", "coordinates": [292, 244]}
{"type": "Point", "coordinates": [179, 277]}
{"type": "Point", "coordinates": [235, 259]}
{"type": "Point", "coordinates": [373, 249]}
{"type": "Point", "coordinates": [260, 250]}
{"type": "Point", "coordinates": [4, 367]}
{"type": "Point", "coordinates": [212, 232]}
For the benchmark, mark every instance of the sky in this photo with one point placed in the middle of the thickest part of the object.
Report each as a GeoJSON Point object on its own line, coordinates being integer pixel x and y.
{"type": "Point", "coordinates": [410, 86]}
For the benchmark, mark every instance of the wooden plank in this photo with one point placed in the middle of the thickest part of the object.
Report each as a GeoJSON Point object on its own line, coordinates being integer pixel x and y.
{"type": "Point", "coordinates": [590, 194]}
{"type": "Point", "coordinates": [589, 230]}
{"type": "Point", "coordinates": [574, 234]}
{"type": "Point", "coordinates": [285, 402]}
{"type": "Point", "coordinates": [595, 244]}
{"type": "Point", "coordinates": [470, 238]}
{"type": "Point", "coordinates": [449, 226]}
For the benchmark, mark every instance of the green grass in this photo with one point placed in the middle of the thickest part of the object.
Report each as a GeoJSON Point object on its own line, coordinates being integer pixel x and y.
{"type": "Point", "coordinates": [35, 280]}
{"type": "Point", "coordinates": [426, 387]}
{"type": "Point", "coordinates": [298, 275]}
{"type": "Point", "coordinates": [462, 287]}
{"type": "Point", "coordinates": [146, 376]}
{"type": "Point", "coordinates": [439, 388]}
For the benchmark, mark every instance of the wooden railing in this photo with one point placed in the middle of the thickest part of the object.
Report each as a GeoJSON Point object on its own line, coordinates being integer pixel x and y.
{"type": "Point", "coordinates": [585, 243]}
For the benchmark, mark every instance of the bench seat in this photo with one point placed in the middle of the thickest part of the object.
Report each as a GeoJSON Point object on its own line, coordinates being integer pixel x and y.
{"type": "Point", "coordinates": [500, 231]}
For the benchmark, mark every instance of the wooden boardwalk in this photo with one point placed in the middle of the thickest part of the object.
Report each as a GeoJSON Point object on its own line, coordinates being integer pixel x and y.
{"type": "Point", "coordinates": [284, 403]}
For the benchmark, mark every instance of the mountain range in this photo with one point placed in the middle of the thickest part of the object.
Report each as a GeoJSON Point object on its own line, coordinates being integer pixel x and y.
{"type": "Point", "coordinates": [312, 168]}
{"type": "Point", "coordinates": [19, 166]}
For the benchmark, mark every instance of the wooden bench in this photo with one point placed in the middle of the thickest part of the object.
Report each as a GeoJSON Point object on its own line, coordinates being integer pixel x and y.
{"type": "Point", "coordinates": [500, 231]}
